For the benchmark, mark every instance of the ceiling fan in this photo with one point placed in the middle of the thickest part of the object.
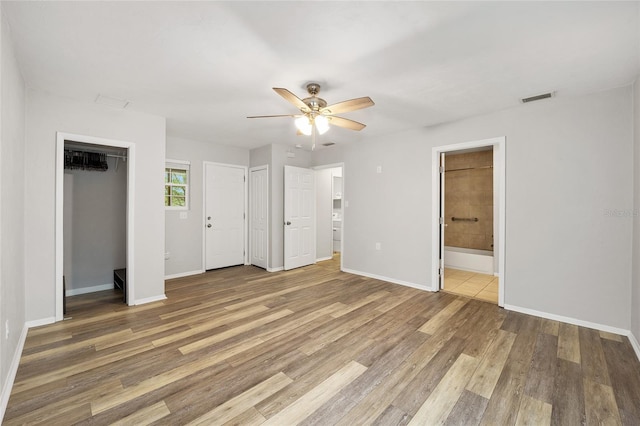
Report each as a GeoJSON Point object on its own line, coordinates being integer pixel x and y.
{"type": "Point", "coordinates": [316, 116]}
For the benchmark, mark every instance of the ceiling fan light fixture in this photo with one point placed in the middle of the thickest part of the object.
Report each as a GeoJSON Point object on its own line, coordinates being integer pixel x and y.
{"type": "Point", "coordinates": [304, 125]}
{"type": "Point", "coordinates": [322, 124]}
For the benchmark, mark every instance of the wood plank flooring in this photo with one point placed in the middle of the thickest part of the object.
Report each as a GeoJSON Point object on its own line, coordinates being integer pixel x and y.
{"type": "Point", "coordinates": [315, 346]}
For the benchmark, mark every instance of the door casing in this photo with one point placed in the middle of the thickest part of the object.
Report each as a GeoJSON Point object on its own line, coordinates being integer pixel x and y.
{"type": "Point", "coordinates": [59, 232]}
{"type": "Point", "coordinates": [499, 174]}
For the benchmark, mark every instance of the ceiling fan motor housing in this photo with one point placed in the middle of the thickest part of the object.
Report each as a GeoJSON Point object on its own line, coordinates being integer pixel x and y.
{"type": "Point", "coordinates": [314, 103]}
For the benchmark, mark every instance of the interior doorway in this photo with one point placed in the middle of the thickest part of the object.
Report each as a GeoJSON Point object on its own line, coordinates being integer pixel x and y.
{"type": "Point", "coordinates": [299, 217]}
{"type": "Point", "coordinates": [471, 256]}
{"type": "Point", "coordinates": [330, 203]}
{"type": "Point", "coordinates": [467, 208]}
{"type": "Point", "coordinates": [114, 149]}
{"type": "Point", "coordinates": [225, 209]}
{"type": "Point", "coordinates": [259, 216]}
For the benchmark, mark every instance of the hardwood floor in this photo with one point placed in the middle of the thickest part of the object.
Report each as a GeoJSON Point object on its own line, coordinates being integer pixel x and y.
{"type": "Point", "coordinates": [316, 346]}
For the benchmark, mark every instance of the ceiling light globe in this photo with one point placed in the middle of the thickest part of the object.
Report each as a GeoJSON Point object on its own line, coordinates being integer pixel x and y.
{"type": "Point", "coordinates": [304, 125]}
{"type": "Point", "coordinates": [322, 124]}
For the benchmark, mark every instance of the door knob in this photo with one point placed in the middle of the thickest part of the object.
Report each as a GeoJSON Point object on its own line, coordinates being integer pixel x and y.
{"type": "Point", "coordinates": [209, 225]}
{"type": "Point", "coordinates": [287, 223]}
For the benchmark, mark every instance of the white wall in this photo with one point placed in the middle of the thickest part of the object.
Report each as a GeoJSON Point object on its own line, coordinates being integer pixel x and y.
{"type": "Point", "coordinates": [635, 284]}
{"type": "Point", "coordinates": [95, 231]}
{"type": "Point", "coordinates": [183, 237]}
{"type": "Point", "coordinates": [569, 194]}
{"type": "Point", "coordinates": [46, 115]}
{"type": "Point", "coordinates": [12, 223]}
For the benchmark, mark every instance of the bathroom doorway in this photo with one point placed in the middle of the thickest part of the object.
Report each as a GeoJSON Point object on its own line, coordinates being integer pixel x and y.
{"type": "Point", "coordinates": [469, 219]}
{"type": "Point", "coordinates": [468, 224]}
{"type": "Point", "coordinates": [330, 205]}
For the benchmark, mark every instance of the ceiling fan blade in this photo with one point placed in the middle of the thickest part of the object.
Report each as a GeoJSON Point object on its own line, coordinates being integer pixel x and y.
{"type": "Point", "coordinates": [292, 98]}
{"type": "Point", "coordinates": [346, 123]}
{"type": "Point", "coordinates": [271, 116]}
{"type": "Point", "coordinates": [346, 106]}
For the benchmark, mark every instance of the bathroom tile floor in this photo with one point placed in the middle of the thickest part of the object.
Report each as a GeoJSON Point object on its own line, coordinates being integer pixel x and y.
{"type": "Point", "coordinates": [471, 284]}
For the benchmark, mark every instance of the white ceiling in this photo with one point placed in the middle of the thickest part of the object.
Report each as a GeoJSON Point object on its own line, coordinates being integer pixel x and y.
{"type": "Point", "coordinates": [205, 66]}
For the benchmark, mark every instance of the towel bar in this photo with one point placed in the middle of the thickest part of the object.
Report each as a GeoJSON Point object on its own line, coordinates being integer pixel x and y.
{"type": "Point", "coordinates": [464, 219]}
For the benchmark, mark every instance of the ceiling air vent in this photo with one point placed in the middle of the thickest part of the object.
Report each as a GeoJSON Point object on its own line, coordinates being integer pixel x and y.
{"type": "Point", "coordinates": [112, 102]}
{"type": "Point", "coordinates": [537, 97]}
{"type": "Point", "coordinates": [328, 143]}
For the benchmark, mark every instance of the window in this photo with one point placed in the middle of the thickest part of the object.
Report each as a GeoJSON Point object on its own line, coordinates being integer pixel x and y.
{"type": "Point", "coordinates": [176, 185]}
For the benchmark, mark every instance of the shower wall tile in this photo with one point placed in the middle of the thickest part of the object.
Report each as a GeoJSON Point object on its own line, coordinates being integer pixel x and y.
{"type": "Point", "coordinates": [469, 194]}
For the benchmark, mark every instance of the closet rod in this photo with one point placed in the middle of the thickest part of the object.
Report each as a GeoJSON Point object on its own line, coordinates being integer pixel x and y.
{"type": "Point", "coordinates": [124, 157]}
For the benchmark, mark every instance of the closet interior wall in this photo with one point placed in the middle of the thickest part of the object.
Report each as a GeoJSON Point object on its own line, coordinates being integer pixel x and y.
{"type": "Point", "coordinates": [95, 208]}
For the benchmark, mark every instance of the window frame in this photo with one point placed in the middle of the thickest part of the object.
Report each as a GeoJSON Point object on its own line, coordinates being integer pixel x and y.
{"type": "Point", "coordinates": [183, 166]}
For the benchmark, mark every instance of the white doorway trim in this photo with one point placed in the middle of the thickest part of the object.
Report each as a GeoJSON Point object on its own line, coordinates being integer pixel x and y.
{"type": "Point", "coordinates": [204, 210]}
{"type": "Point", "coordinates": [499, 173]}
{"type": "Point", "coordinates": [59, 232]}
{"type": "Point", "coordinates": [251, 236]}
{"type": "Point", "coordinates": [344, 204]}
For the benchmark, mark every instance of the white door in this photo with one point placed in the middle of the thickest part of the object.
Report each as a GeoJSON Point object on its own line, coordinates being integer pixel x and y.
{"type": "Point", "coordinates": [224, 215]}
{"type": "Point", "coordinates": [442, 223]}
{"type": "Point", "coordinates": [258, 216]}
{"type": "Point", "coordinates": [299, 217]}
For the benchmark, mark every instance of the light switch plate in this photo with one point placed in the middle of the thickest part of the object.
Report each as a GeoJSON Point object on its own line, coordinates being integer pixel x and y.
{"type": "Point", "coordinates": [183, 215]}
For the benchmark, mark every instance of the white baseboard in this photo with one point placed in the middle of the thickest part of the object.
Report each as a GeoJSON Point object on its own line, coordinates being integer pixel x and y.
{"type": "Point", "coordinates": [150, 300]}
{"type": "Point", "coordinates": [11, 374]}
{"type": "Point", "coordinates": [391, 280]}
{"type": "Point", "coordinates": [39, 322]}
{"type": "Point", "coordinates": [278, 269]}
{"type": "Point", "coordinates": [322, 259]}
{"type": "Point", "coordinates": [568, 320]}
{"type": "Point", "coordinates": [183, 274]}
{"type": "Point", "coordinates": [588, 324]}
{"type": "Point", "coordinates": [85, 290]}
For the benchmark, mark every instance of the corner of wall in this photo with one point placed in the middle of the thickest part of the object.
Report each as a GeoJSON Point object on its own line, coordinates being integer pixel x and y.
{"type": "Point", "coordinates": [635, 272]}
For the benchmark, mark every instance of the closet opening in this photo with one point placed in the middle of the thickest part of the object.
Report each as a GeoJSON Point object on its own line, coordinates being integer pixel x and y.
{"type": "Point", "coordinates": [93, 223]}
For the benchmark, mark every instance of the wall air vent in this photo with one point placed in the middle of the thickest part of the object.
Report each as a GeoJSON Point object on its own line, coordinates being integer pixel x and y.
{"type": "Point", "coordinates": [537, 97]}
{"type": "Point", "coordinates": [328, 143]}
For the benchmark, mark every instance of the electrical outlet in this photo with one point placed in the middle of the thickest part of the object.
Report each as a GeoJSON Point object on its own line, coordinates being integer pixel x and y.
{"type": "Point", "coordinates": [167, 256]}
{"type": "Point", "coordinates": [378, 246]}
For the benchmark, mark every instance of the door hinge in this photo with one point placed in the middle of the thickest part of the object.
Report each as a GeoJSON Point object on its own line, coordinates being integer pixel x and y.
{"type": "Point", "coordinates": [441, 169]}
{"type": "Point", "coordinates": [244, 215]}
{"type": "Point", "coordinates": [442, 221]}
{"type": "Point", "coordinates": [439, 272]}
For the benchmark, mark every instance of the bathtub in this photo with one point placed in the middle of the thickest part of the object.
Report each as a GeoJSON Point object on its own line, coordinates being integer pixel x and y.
{"type": "Point", "coordinates": [468, 259]}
